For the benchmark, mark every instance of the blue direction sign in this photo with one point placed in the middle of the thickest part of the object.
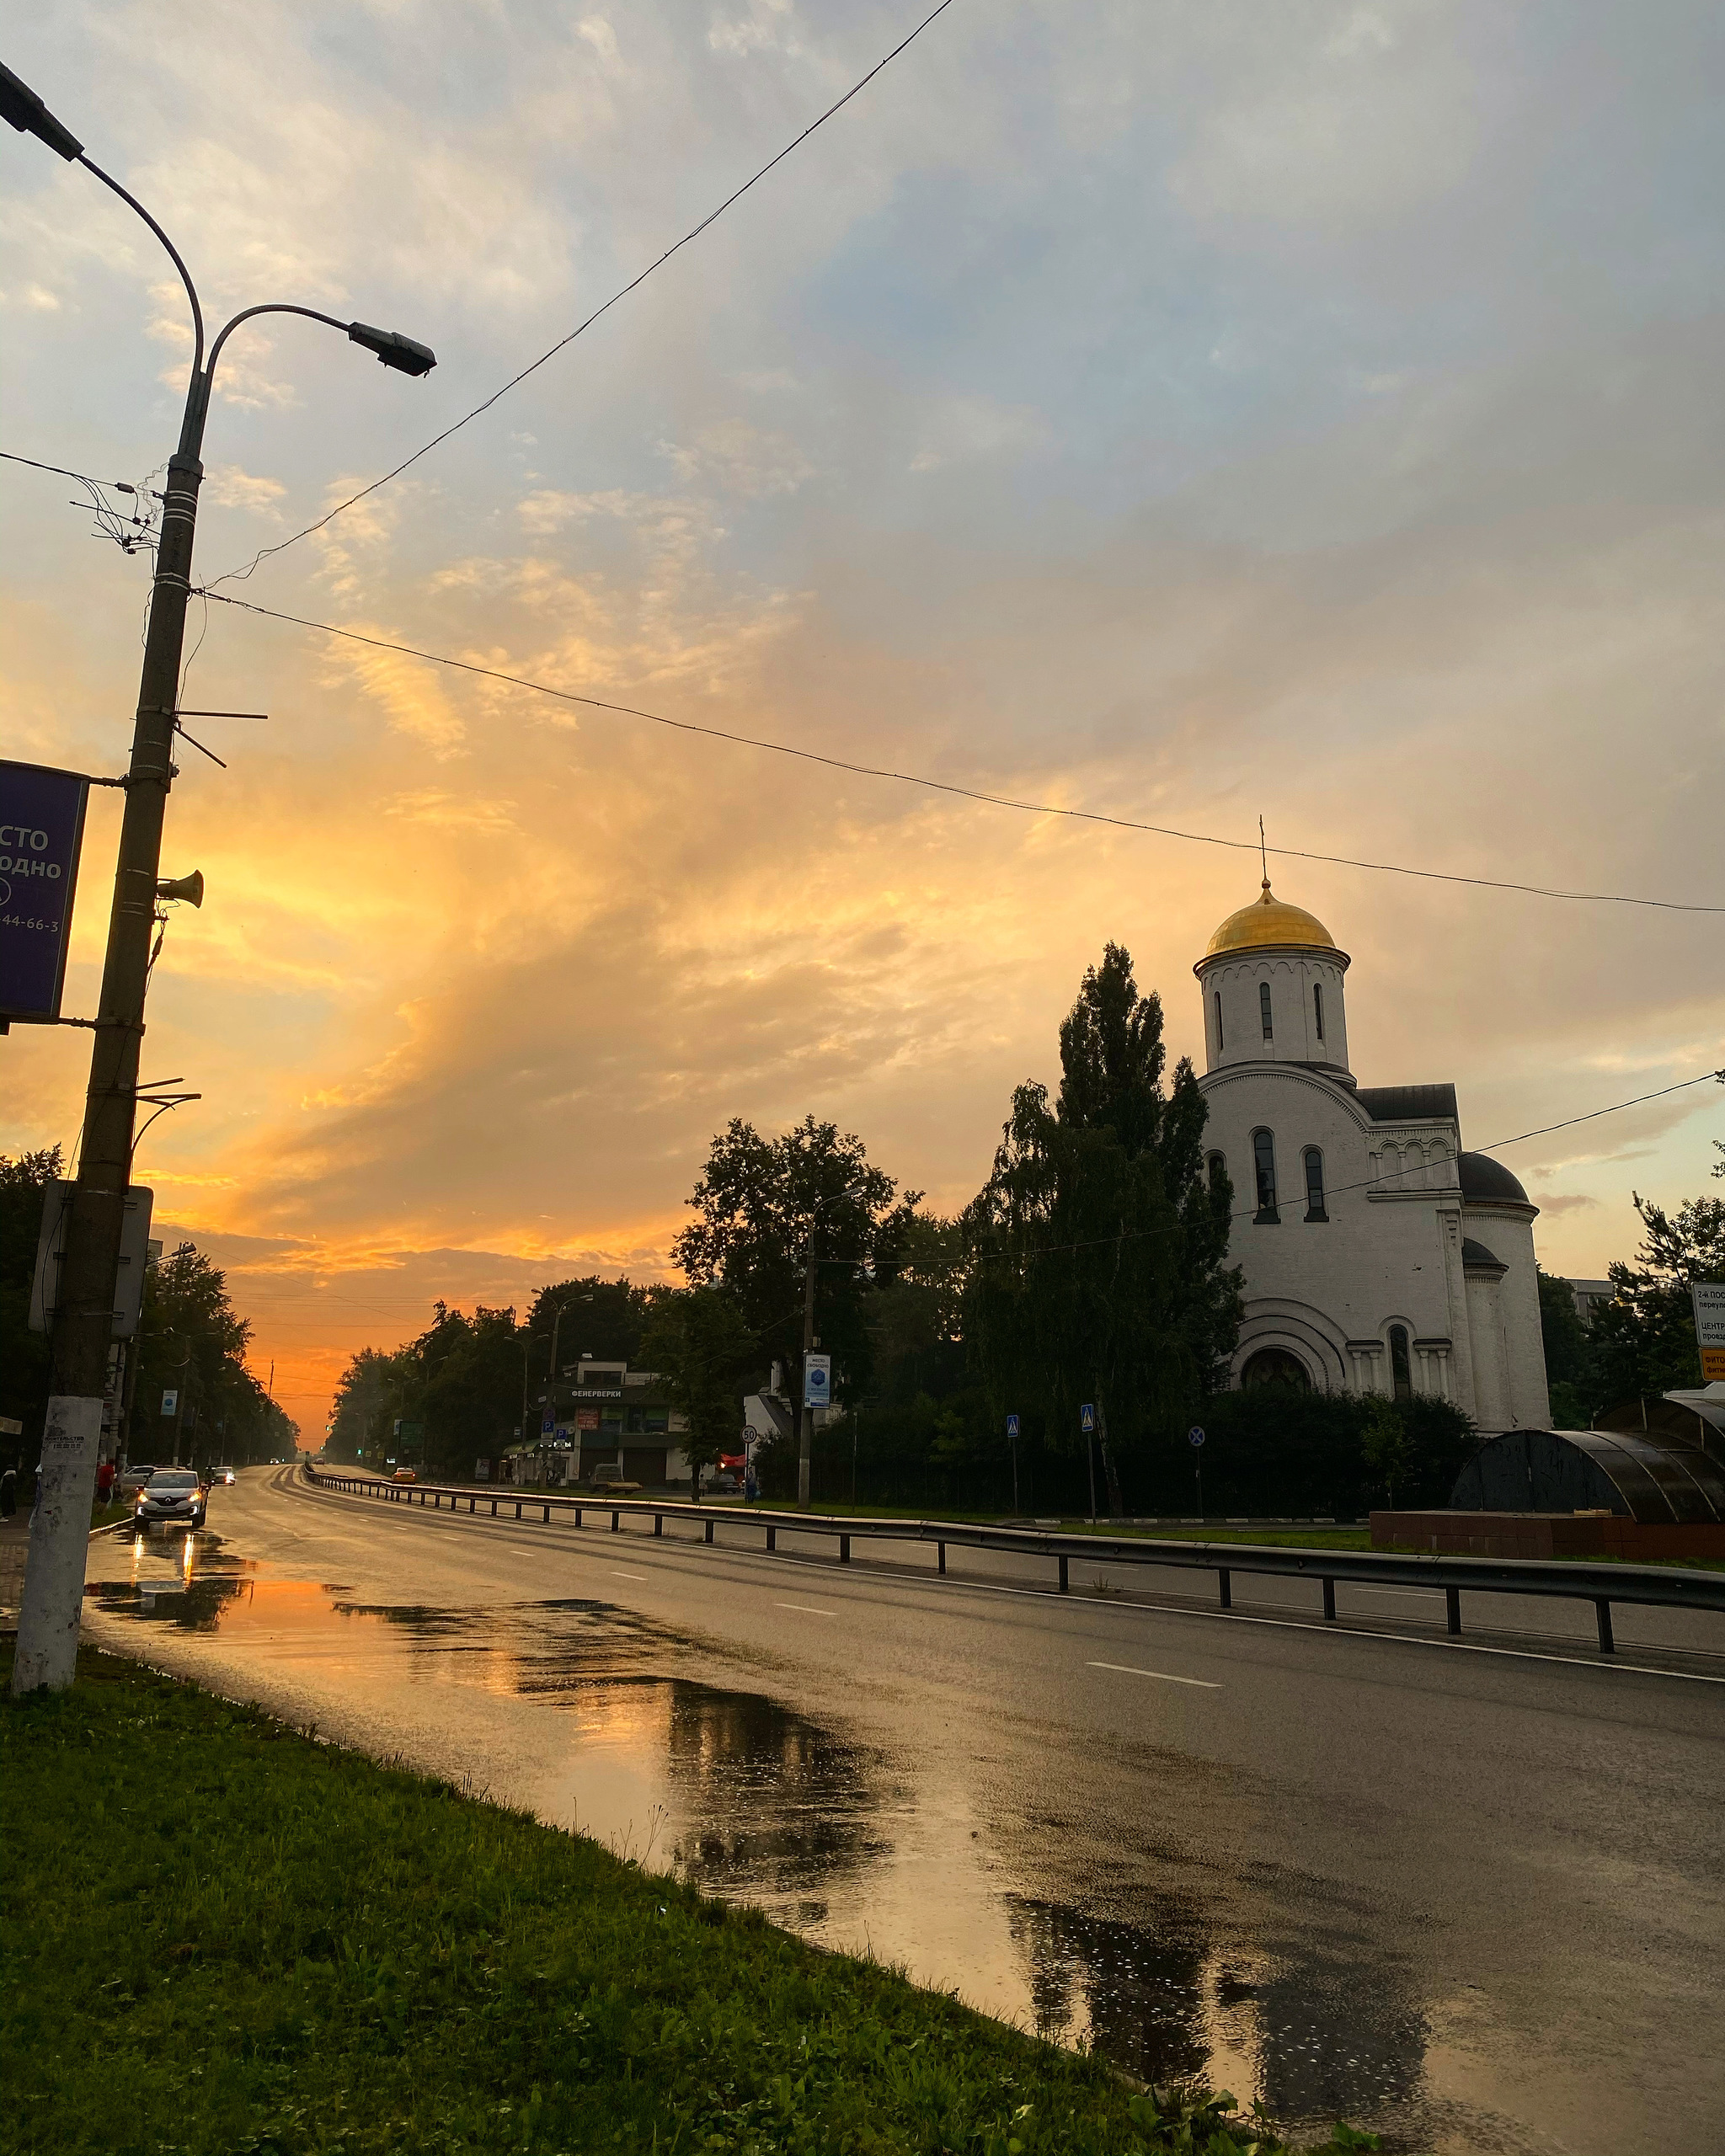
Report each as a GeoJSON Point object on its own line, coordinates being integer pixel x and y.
{"type": "Point", "coordinates": [1087, 1416]}
{"type": "Point", "coordinates": [1012, 1426]}
{"type": "Point", "coordinates": [1194, 1436]}
{"type": "Point", "coordinates": [41, 833]}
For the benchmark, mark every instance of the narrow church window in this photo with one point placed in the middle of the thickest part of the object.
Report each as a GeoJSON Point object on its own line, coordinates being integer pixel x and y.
{"type": "Point", "coordinates": [1317, 1007]}
{"type": "Point", "coordinates": [1400, 1370]}
{"type": "Point", "coordinates": [1315, 1185]}
{"type": "Point", "coordinates": [1263, 1161]}
{"type": "Point", "coordinates": [1218, 1167]}
{"type": "Point", "coordinates": [1263, 1007]}
{"type": "Point", "coordinates": [1220, 1042]}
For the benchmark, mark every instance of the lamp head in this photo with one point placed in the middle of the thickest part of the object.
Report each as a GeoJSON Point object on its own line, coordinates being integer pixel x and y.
{"type": "Point", "coordinates": [19, 104]}
{"type": "Point", "coordinates": [404, 354]}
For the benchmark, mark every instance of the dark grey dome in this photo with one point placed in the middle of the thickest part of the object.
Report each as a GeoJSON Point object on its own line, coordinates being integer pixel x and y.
{"type": "Point", "coordinates": [1489, 1180]}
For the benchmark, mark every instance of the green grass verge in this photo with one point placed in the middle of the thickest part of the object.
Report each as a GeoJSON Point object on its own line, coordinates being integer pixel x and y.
{"type": "Point", "coordinates": [220, 1935]}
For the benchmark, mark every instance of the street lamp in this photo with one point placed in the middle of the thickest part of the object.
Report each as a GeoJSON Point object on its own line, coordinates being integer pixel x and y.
{"type": "Point", "coordinates": [47, 1632]}
{"type": "Point", "coordinates": [805, 1421]}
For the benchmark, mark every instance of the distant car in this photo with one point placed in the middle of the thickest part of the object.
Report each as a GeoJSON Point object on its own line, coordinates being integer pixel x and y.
{"type": "Point", "coordinates": [132, 1480]}
{"type": "Point", "coordinates": [403, 1475]}
{"type": "Point", "coordinates": [171, 1497]}
{"type": "Point", "coordinates": [223, 1474]}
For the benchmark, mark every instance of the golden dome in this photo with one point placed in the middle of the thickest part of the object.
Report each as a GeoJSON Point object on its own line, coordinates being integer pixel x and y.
{"type": "Point", "coordinates": [1269, 921]}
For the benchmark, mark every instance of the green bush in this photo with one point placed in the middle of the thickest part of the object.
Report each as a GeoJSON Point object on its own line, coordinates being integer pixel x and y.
{"type": "Point", "coordinates": [1276, 1450]}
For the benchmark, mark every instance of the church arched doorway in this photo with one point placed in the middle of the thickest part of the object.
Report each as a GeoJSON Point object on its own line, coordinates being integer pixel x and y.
{"type": "Point", "coordinates": [1275, 1366]}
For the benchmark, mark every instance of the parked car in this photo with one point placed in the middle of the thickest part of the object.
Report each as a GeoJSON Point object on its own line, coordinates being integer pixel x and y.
{"type": "Point", "coordinates": [133, 1479]}
{"type": "Point", "coordinates": [172, 1497]}
{"type": "Point", "coordinates": [403, 1475]}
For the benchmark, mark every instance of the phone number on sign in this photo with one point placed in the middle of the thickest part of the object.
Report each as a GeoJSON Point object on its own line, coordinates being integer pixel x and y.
{"type": "Point", "coordinates": [25, 920]}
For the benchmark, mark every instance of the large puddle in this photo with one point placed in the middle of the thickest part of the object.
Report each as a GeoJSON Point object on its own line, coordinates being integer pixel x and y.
{"type": "Point", "coordinates": [1085, 1928]}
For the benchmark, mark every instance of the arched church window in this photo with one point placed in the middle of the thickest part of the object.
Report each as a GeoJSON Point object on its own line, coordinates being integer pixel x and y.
{"type": "Point", "coordinates": [1315, 1185]}
{"type": "Point", "coordinates": [1263, 1163]}
{"type": "Point", "coordinates": [1317, 1007]}
{"type": "Point", "coordinates": [1220, 1042]}
{"type": "Point", "coordinates": [1263, 1009]}
{"type": "Point", "coordinates": [1276, 1366]}
{"type": "Point", "coordinates": [1218, 1165]}
{"type": "Point", "coordinates": [1400, 1369]}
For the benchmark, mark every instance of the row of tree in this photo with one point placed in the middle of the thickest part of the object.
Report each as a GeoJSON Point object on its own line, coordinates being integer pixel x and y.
{"type": "Point", "coordinates": [1091, 1267]}
{"type": "Point", "coordinates": [1643, 1342]}
{"type": "Point", "coordinates": [191, 1344]}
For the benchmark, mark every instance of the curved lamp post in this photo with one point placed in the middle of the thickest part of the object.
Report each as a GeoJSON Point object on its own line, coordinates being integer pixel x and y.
{"type": "Point", "coordinates": [48, 1621]}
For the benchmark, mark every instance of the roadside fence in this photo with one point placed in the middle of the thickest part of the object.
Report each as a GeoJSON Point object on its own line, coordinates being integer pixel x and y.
{"type": "Point", "coordinates": [1648, 1586]}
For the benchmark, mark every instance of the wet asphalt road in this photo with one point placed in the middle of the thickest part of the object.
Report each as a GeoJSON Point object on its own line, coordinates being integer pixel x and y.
{"type": "Point", "coordinates": [1471, 1897]}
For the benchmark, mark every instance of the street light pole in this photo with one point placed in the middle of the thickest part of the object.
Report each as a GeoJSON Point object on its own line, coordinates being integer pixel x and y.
{"type": "Point", "coordinates": [53, 1591]}
{"type": "Point", "coordinates": [805, 1421]}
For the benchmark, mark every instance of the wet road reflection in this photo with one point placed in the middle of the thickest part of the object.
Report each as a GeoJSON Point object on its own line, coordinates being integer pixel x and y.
{"type": "Point", "coordinates": [1075, 1923]}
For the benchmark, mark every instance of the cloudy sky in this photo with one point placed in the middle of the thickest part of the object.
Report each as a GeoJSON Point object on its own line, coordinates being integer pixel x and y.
{"type": "Point", "coordinates": [1185, 412]}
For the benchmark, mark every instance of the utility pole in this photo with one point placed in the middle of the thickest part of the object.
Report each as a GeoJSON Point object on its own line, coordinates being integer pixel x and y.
{"type": "Point", "coordinates": [183, 1371]}
{"type": "Point", "coordinates": [805, 1428]}
{"type": "Point", "coordinates": [53, 1590]}
{"type": "Point", "coordinates": [805, 1417]}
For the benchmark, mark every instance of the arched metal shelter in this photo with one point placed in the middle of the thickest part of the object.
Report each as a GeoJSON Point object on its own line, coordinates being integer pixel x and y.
{"type": "Point", "coordinates": [1641, 1475]}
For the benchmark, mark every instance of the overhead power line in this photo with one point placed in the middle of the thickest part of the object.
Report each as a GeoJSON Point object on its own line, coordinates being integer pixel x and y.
{"type": "Point", "coordinates": [945, 786]}
{"type": "Point", "coordinates": [60, 471]}
{"type": "Point", "coordinates": [1333, 1190]}
{"type": "Point", "coordinates": [581, 328]}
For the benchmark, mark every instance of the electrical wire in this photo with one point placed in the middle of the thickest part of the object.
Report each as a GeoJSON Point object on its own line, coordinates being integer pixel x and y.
{"type": "Point", "coordinates": [111, 523]}
{"type": "Point", "coordinates": [1333, 1190]}
{"type": "Point", "coordinates": [60, 471]}
{"type": "Point", "coordinates": [944, 785]}
{"type": "Point", "coordinates": [622, 293]}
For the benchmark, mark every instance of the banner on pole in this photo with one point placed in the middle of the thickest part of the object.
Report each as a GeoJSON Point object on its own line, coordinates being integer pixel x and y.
{"type": "Point", "coordinates": [1709, 1327]}
{"type": "Point", "coordinates": [41, 835]}
{"type": "Point", "coordinates": [817, 1380]}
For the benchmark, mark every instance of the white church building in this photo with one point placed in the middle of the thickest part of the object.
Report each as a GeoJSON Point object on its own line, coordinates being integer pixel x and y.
{"type": "Point", "coordinates": [1379, 1256]}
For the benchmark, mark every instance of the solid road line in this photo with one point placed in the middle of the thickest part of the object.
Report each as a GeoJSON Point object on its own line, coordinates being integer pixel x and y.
{"type": "Point", "coordinates": [1125, 1670]}
{"type": "Point", "coordinates": [1181, 1609]}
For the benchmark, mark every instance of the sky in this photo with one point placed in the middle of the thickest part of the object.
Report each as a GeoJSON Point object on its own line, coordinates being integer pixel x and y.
{"type": "Point", "coordinates": [1185, 414]}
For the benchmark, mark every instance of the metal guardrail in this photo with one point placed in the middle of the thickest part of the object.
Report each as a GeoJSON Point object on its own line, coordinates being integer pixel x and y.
{"type": "Point", "coordinates": [1602, 1585]}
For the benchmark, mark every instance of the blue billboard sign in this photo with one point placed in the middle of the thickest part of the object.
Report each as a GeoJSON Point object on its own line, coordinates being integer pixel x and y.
{"type": "Point", "coordinates": [41, 833]}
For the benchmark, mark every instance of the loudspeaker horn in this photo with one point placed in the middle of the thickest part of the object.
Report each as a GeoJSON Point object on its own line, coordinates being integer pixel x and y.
{"type": "Point", "coordinates": [190, 887]}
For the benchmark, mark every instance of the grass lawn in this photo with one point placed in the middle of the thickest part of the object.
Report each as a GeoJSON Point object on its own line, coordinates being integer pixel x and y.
{"type": "Point", "coordinates": [220, 1935]}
